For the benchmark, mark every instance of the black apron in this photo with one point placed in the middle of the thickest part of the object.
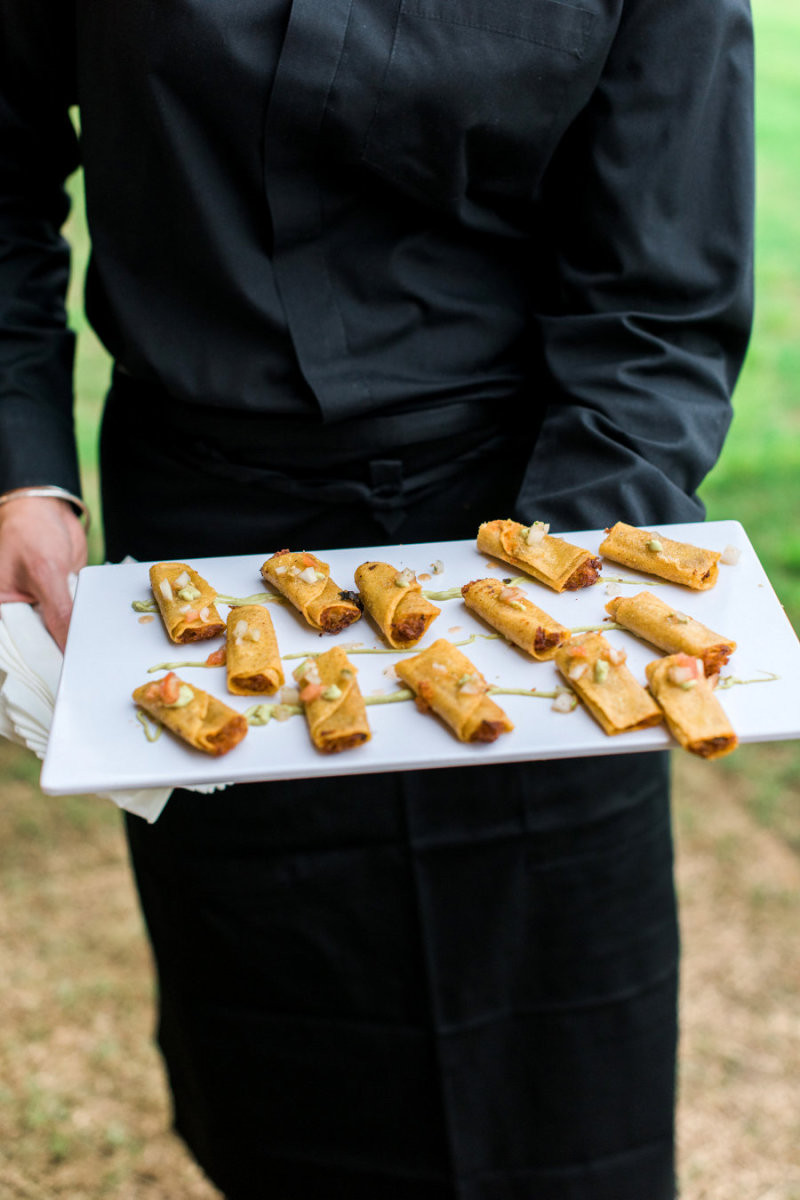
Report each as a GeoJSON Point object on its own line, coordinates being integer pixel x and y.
{"type": "Point", "coordinates": [434, 985]}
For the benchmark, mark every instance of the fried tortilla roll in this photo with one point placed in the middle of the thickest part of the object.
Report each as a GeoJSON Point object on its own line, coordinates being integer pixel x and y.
{"type": "Point", "coordinates": [186, 603]}
{"type": "Point", "coordinates": [663, 626]}
{"type": "Point", "coordinates": [597, 673]}
{"type": "Point", "coordinates": [200, 719]}
{"type": "Point", "coordinates": [679, 562]}
{"type": "Point", "coordinates": [305, 581]}
{"type": "Point", "coordinates": [395, 602]}
{"type": "Point", "coordinates": [332, 701]}
{"type": "Point", "coordinates": [550, 560]}
{"type": "Point", "coordinates": [509, 611]}
{"type": "Point", "coordinates": [445, 681]}
{"type": "Point", "coordinates": [693, 713]}
{"type": "Point", "coordinates": [251, 652]}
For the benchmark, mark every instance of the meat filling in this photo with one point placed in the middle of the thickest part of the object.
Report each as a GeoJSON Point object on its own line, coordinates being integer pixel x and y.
{"type": "Point", "coordinates": [586, 574]}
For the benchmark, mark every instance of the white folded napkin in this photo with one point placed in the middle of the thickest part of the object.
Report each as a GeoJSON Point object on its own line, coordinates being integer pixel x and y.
{"type": "Point", "coordinates": [30, 666]}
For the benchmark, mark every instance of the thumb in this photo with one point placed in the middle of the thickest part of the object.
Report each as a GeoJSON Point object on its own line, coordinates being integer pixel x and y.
{"type": "Point", "coordinates": [56, 609]}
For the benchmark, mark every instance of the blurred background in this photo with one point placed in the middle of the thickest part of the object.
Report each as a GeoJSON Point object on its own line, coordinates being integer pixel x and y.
{"type": "Point", "coordinates": [83, 1104]}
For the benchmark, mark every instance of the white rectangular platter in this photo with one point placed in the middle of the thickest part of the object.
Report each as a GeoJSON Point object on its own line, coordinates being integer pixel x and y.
{"type": "Point", "coordinates": [98, 744]}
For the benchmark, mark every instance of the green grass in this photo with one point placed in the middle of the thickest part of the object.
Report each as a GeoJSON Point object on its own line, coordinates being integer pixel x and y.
{"type": "Point", "coordinates": [757, 480]}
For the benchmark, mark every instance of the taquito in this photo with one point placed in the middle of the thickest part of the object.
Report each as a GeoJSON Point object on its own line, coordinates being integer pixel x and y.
{"type": "Point", "coordinates": [444, 681]}
{"type": "Point", "coordinates": [511, 613]}
{"type": "Point", "coordinates": [252, 657]}
{"type": "Point", "coordinates": [186, 603]}
{"type": "Point", "coordinates": [597, 673]}
{"type": "Point", "coordinates": [550, 560]}
{"type": "Point", "coordinates": [305, 581]}
{"type": "Point", "coordinates": [395, 602]}
{"type": "Point", "coordinates": [676, 632]}
{"type": "Point", "coordinates": [693, 713]}
{"type": "Point", "coordinates": [332, 702]}
{"type": "Point", "coordinates": [655, 554]}
{"type": "Point", "coordinates": [195, 716]}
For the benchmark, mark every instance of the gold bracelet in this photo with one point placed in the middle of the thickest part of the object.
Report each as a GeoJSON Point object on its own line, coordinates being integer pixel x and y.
{"type": "Point", "coordinates": [51, 492]}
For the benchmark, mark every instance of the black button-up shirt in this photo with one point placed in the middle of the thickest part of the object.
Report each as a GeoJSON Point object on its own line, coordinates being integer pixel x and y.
{"type": "Point", "coordinates": [329, 208]}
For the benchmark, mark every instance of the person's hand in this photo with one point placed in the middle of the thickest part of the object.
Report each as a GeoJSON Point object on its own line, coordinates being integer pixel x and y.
{"type": "Point", "coordinates": [42, 542]}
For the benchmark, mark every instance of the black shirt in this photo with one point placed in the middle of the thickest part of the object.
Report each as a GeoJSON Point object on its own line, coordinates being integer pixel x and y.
{"type": "Point", "coordinates": [330, 208]}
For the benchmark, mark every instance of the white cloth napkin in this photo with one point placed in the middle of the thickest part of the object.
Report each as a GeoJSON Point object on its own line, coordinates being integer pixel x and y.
{"type": "Point", "coordinates": [30, 666]}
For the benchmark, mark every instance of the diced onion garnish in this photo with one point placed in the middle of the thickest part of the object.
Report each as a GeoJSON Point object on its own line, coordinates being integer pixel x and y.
{"type": "Point", "coordinates": [309, 575]}
{"type": "Point", "coordinates": [183, 579]}
{"type": "Point", "coordinates": [470, 685]}
{"type": "Point", "coordinates": [165, 589]}
{"type": "Point", "coordinates": [281, 570]}
{"type": "Point", "coordinates": [576, 670]}
{"type": "Point", "coordinates": [307, 672]}
{"type": "Point", "coordinates": [564, 702]}
{"type": "Point", "coordinates": [204, 613]}
{"type": "Point", "coordinates": [537, 533]}
{"type": "Point", "coordinates": [290, 695]}
{"type": "Point", "coordinates": [404, 578]}
{"type": "Point", "coordinates": [730, 556]}
{"type": "Point", "coordinates": [616, 656]}
{"type": "Point", "coordinates": [437, 567]}
{"type": "Point", "coordinates": [240, 629]}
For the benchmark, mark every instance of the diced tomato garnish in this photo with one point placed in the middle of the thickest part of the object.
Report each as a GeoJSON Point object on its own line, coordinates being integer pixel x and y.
{"type": "Point", "coordinates": [191, 615]}
{"type": "Point", "coordinates": [169, 688]}
{"type": "Point", "coordinates": [311, 692]}
{"type": "Point", "coordinates": [216, 658]}
{"type": "Point", "coordinates": [689, 664]}
{"type": "Point", "coordinates": [308, 560]}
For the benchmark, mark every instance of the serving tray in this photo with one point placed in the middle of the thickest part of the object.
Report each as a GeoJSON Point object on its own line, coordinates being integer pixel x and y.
{"type": "Point", "coordinates": [97, 742]}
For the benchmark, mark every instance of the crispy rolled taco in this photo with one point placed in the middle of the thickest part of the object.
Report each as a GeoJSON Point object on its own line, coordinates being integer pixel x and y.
{"type": "Point", "coordinates": [186, 603]}
{"type": "Point", "coordinates": [678, 562]}
{"type": "Point", "coordinates": [508, 610]}
{"type": "Point", "coordinates": [252, 657]}
{"type": "Point", "coordinates": [444, 681]}
{"type": "Point", "coordinates": [693, 713]}
{"type": "Point", "coordinates": [332, 702]}
{"type": "Point", "coordinates": [665, 627]}
{"type": "Point", "coordinates": [395, 602]}
{"type": "Point", "coordinates": [195, 716]}
{"type": "Point", "coordinates": [305, 581]}
{"type": "Point", "coordinates": [550, 560]}
{"type": "Point", "coordinates": [597, 673]}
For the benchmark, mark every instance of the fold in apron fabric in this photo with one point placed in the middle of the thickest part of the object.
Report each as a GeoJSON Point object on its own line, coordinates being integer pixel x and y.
{"type": "Point", "coordinates": [433, 985]}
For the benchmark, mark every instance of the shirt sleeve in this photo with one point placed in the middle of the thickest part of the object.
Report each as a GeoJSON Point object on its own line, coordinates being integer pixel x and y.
{"type": "Point", "coordinates": [649, 200]}
{"type": "Point", "coordinates": [38, 150]}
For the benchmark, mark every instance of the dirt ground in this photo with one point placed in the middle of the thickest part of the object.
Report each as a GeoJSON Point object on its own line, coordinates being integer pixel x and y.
{"type": "Point", "coordinates": [83, 1107]}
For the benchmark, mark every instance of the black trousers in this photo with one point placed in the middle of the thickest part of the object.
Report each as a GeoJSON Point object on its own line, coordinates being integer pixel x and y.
{"type": "Point", "coordinates": [438, 985]}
